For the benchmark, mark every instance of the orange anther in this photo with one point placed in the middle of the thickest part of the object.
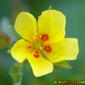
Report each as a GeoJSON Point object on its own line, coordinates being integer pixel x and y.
{"type": "Point", "coordinates": [47, 48]}
{"type": "Point", "coordinates": [29, 46]}
{"type": "Point", "coordinates": [36, 54]}
{"type": "Point", "coordinates": [44, 37]}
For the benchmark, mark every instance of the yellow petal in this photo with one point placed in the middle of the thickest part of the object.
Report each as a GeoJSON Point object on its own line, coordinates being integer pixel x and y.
{"type": "Point", "coordinates": [52, 22]}
{"type": "Point", "coordinates": [40, 66]}
{"type": "Point", "coordinates": [26, 25]}
{"type": "Point", "coordinates": [18, 51]}
{"type": "Point", "coordinates": [66, 49]}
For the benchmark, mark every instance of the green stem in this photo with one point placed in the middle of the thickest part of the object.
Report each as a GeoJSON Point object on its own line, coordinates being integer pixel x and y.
{"type": "Point", "coordinates": [16, 73]}
{"type": "Point", "coordinates": [19, 82]}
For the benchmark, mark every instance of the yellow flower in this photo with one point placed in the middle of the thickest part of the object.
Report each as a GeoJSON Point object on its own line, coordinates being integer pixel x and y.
{"type": "Point", "coordinates": [43, 42]}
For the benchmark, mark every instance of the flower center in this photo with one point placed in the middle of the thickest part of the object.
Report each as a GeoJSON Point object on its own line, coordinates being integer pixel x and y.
{"type": "Point", "coordinates": [38, 46]}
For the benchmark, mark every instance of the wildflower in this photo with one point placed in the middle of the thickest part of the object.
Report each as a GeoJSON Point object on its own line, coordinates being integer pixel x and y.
{"type": "Point", "coordinates": [43, 43]}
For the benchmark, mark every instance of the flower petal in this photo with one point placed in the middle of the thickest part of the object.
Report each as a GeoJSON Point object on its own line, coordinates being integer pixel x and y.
{"type": "Point", "coordinates": [66, 49]}
{"type": "Point", "coordinates": [18, 51]}
{"type": "Point", "coordinates": [40, 66]}
{"type": "Point", "coordinates": [26, 25]}
{"type": "Point", "coordinates": [52, 22]}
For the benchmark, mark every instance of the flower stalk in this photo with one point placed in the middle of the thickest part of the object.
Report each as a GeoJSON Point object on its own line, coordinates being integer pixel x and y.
{"type": "Point", "coordinates": [16, 72]}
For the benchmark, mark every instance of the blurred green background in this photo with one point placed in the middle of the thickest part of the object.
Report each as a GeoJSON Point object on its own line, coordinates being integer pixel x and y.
{"type": "Point", "coordinates": [75, 27]}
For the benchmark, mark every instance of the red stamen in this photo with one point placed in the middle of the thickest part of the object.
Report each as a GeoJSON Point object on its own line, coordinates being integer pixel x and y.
{"type": "Point", "coordinates": [36, 54]}
{"type": "Point", "coordinates": [29, 46]}
{"type": "Point", "coordinates": [44, 37]}
{"type": "Point", "coordinates": [47, 48]}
